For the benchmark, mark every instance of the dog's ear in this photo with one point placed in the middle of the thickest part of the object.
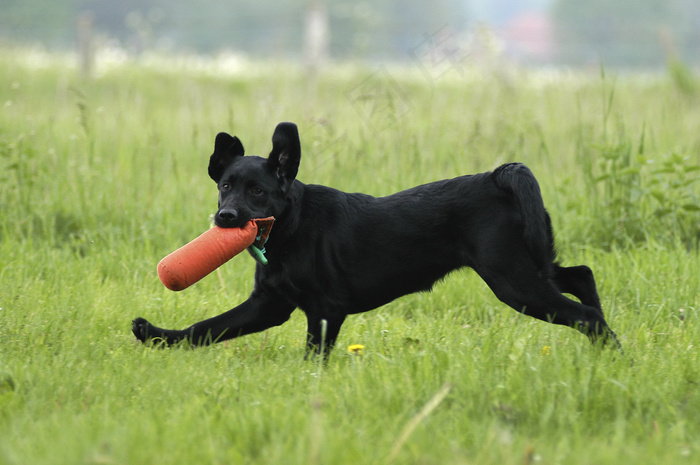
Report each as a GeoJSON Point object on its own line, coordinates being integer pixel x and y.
{"type": "Point", "coordinates": [226, 148]}
{"type": "Point", "coordinates": [286, 154]}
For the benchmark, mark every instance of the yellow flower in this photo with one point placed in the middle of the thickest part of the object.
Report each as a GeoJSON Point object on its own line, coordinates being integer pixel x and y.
{"type": "Point", "coordinates": [546, 350]}
{"type": "Point", "coordinates": [356, 349]}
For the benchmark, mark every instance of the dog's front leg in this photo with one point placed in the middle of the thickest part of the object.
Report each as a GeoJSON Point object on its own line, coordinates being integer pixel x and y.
{"type": "Point", "coordinates": [322, 332]}
{"type": "Point", "coordinates": [258, 313]}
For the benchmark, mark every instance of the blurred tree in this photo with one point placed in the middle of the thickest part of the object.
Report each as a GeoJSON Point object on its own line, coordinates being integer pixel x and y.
{"type": "Point", "coordinates": [626, 32]}
{"type": "Point", "coordinates": [39, 20]}
{"type": "Point", "coordinates": [256, 27]}
{"type": "Point", "coordinates": [389, 29]}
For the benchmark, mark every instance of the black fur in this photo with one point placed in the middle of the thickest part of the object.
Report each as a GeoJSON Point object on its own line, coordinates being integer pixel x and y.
{"type": "Point", "coordinates": [332, 254]}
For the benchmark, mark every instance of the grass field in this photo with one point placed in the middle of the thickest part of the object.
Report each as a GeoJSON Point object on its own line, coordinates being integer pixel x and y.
{"type": "Point", "coordinates": [100, 178]}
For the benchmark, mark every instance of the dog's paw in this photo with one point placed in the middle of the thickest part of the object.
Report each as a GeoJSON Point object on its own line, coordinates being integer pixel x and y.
{"type": "Point", "coordinates": [140, 327]}
{"type": "Point", "coordinates": [153, 335]}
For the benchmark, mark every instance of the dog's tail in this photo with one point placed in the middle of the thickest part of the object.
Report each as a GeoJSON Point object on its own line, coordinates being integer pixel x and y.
{"type": "Point", "coordinates": [518, 180]}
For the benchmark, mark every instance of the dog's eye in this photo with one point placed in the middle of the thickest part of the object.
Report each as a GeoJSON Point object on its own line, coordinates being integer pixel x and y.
{"type": "Point", "coordinates": [256, 191]}
{"type": "Point", "coordinates": [225, 186]}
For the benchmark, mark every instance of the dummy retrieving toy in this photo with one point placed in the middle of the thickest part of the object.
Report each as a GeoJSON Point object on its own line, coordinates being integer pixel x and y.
{"type": "Point", "coordinates": [201, 256]}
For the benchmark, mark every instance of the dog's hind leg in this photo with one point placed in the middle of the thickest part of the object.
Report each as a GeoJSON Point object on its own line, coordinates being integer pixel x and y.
{"type": "Point", "coordinates": [544, 302]}
{"type": "Point", "coordinates": [559, 309]}
{"type": "Point", "coordinates": [517, 282]}
{"type": "Point", "coordinates": [579, 282]}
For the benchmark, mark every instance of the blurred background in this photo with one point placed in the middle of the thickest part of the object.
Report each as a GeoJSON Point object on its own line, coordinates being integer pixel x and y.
{"type": "Point", "coordinates": [625, 34]}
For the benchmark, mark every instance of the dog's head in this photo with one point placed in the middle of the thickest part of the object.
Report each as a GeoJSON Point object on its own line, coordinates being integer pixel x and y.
{"type": "Point", "coordinates": [254, 187]}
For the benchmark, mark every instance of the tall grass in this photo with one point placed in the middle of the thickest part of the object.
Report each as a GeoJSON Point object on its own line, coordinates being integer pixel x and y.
{"type": "Point", "coordinates": [100, 178]}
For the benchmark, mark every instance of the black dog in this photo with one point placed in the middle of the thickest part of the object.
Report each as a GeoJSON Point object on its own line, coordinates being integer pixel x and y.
{"type": "Point", "coordinates": [333, 254]}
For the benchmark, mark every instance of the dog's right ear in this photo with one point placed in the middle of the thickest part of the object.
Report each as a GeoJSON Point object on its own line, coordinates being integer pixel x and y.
{"type": "Point", "coordinates": [286, 154]}
{"type": "Point", "coordinates": [226, 149]}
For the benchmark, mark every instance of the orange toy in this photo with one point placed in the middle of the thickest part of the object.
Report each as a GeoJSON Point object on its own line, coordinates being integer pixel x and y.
{"type": "Point", "coordinates": [201, 256]}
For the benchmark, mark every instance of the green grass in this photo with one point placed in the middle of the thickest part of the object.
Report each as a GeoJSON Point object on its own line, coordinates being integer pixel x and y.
{"type": "Point", "coordinates": [101, 178]}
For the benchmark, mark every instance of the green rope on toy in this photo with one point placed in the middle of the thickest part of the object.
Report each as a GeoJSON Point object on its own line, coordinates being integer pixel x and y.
{"type": "Point", "coordinates": [257, 249]}
{"type": "Point", "coordinates": [258, 254]}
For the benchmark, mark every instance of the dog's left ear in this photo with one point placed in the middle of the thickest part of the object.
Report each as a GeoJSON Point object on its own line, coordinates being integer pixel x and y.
{"type": "Point", "coordinates": [286, 154]}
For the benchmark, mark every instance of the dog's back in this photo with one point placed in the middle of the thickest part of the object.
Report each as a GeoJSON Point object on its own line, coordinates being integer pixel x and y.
{"type": "Point", "coordinates": [362, 252]}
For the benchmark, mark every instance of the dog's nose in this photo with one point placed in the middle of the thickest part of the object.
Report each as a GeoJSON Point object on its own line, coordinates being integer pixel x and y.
{"type": "Point", "coordinates": [228, 214]}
